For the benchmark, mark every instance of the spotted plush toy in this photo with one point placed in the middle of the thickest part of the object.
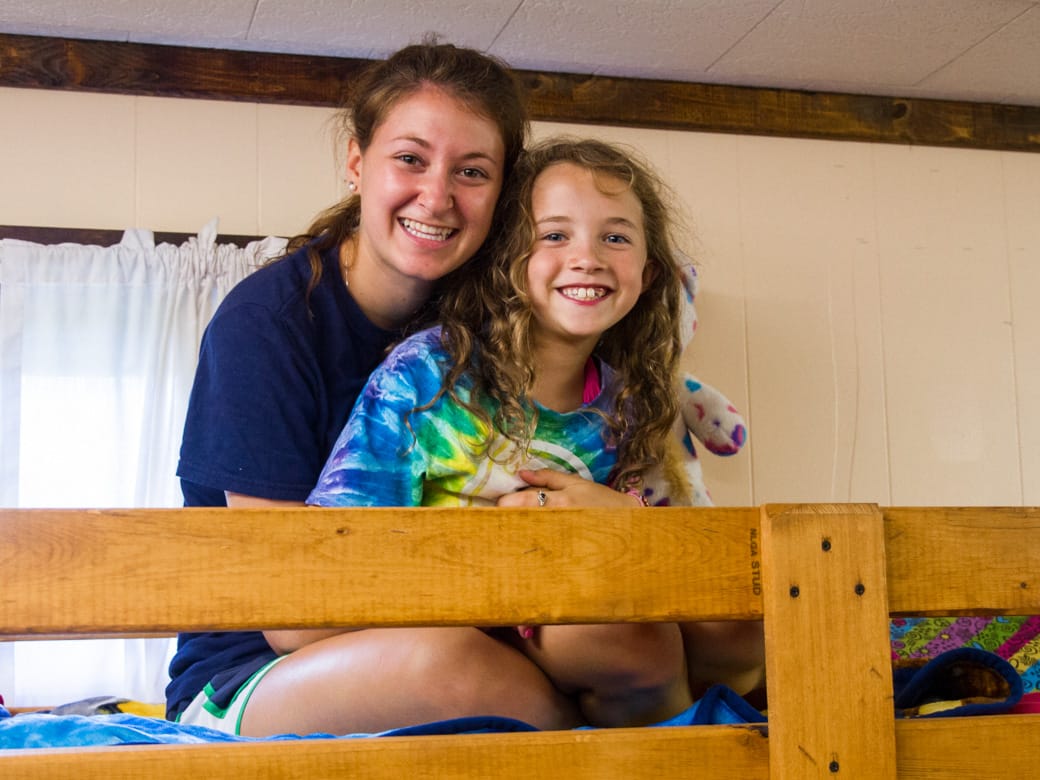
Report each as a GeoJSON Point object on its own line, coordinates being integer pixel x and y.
{"type": "Point", "coordinates": [706, 416]}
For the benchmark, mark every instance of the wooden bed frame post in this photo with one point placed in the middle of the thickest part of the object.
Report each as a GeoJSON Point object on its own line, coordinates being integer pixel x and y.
{"type": "Point", "coordinates": [828, 660]}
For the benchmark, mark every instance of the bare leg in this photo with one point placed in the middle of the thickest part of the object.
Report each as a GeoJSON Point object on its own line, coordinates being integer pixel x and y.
{"type": "Point", "coordinates": [378, 679]}
{"type": "Point", "coordinates": [623, 674]}
{"type": "Point", "coordinates": [730, 653]}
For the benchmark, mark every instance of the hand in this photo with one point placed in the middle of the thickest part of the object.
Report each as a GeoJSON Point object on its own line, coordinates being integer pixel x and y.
{"type": "Point", "coordinates": [565, 490]}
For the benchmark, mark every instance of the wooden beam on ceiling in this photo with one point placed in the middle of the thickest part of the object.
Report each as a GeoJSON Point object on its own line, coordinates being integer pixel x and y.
{"type": "Point", "coordinates": [186, 72]}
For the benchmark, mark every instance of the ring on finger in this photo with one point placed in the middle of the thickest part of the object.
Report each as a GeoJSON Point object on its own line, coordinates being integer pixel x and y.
{"type": "Point", "coordinates": [542, 498]}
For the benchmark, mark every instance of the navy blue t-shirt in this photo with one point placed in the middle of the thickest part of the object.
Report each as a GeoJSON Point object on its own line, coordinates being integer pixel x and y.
{"type": "Point", "coordinates": [277, 377]}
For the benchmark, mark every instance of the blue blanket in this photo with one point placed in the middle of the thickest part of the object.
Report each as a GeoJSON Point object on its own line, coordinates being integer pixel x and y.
{"type": "Point", "coordinates": [45, 730]}
{"type": "Point", "coordinates": [962, 681]}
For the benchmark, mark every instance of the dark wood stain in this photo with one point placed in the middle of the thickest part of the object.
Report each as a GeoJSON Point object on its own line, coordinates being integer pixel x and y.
{"type": "Point", "coordinates": [178, 71]}
{"type": "Point", "coordinates": [101, 237]}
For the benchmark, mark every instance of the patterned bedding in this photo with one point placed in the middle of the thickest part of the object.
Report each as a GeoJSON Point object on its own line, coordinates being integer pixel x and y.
{"type": "Point", "coordinates": [1015, 639]}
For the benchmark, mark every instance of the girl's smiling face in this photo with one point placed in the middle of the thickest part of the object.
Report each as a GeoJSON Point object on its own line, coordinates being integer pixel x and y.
{"type": "Point", "coordinates": [588, 266]}
{"type": "Point", "coordinates": [429, 181]}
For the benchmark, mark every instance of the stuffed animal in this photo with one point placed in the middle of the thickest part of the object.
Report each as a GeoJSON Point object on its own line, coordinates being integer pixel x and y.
{"type": "Point", "coordinates": [706, 416]}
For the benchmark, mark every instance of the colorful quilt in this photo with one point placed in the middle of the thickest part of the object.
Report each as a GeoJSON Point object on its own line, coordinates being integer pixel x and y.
{"type": "Point", "coordinates": [1015, 639]}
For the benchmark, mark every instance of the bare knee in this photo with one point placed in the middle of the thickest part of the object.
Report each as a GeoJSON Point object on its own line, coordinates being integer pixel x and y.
{"type": "Point", "coordinates": [731, 653]}
{"type": "Point", "coordinates": [473, 674]}
{"type": "Point", "coordinates": [624, 674]}
{"type": "Point", "coordinates": [740, 643]}
{"type": "Point", "coordinates": [641, 655]}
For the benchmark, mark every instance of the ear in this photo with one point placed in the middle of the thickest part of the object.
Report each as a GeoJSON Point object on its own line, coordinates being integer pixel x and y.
{"type": "Point", "coordinates": [649, 274]}
{"type": "Point", "coordinates": [354, 159]}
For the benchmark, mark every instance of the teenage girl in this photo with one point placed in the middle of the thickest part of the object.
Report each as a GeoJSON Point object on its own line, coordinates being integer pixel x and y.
{"type": "Point", "coordinates": [434, 133]}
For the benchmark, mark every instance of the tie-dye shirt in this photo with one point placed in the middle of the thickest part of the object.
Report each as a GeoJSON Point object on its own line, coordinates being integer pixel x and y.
{"type": "Point", "coordinates": [390, 455]}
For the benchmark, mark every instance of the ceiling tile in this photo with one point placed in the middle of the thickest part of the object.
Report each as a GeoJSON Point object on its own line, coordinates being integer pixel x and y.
{"type": "Point", "coordinates": [1006, 63]}
{"type": "Point", "coordinates": [666, 39]}
{"type": "Point", "coordinates": [184, 22]}
{"type": "Point", "coordinates": [897, 42]}
{"type": "Point", "coordinates": [376, 28]}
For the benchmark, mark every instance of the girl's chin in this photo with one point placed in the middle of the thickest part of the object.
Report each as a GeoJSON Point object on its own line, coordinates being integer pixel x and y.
{"type": "Point", "coordinates": [430, 266]}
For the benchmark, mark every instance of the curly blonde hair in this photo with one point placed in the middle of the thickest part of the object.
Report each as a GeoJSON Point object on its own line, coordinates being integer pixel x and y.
{"type": "Point", "coordinates": [486, 318]}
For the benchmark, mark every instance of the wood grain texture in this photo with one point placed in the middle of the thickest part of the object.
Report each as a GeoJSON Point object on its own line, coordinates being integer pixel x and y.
{"type": "Point", "coordinates": [40, 62]}
{"type": "Point", "coordinates": [172, 71]}
{"type": "Point", "coordinates": [739, 753]}
{"type": "Point", "coordinates": [825, 600]}
{"type": "Point", "coordinates": [757, 111]}
{"type": "Point", "coordinates": [963, 560]}
{"type": "Point", "coordinates": [990, 747]}
{"type": "Point", "coordinates": [154, 571]}
{"type": "Point", "coordinates": [101, 237]}
{"type": "Point", "coordinates": [828, 666]}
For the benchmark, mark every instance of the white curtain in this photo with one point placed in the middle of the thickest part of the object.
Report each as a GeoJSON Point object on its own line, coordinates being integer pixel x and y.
{"type": "Point", "coordinates": [98, 347]}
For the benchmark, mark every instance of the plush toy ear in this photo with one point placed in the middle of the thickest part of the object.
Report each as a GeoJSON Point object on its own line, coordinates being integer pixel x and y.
{"type": "Point", "coordinates": [688, 275]}
{"type": "Point", "coordinates": [710, 417]}
{"type": "Point", "coordinates": [706, 415]}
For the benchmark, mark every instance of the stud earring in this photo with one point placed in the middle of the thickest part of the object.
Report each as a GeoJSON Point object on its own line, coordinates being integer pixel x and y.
{"type": "Point", "coordinates": [351, 186]}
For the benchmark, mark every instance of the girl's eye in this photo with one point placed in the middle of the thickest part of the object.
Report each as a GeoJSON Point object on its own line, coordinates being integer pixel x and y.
{"type": "Point", "coordinates": [553, 237]}
{"type": "Point", "coordinates": [617, 238]}
{"type": "Point", "coordinates": [408, 159]}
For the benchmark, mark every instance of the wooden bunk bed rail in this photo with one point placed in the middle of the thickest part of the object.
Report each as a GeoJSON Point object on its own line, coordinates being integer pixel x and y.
{"type": "Point", "coordinates": [824, 577]}
{"type": "Point", "coordinates": [164, 570]}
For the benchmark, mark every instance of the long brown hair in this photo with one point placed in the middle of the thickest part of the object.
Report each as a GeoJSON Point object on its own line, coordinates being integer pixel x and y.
{"type": "Point", "coordinates": [486, 317]}
{"type": "Point", "coordinates": [481, 82]}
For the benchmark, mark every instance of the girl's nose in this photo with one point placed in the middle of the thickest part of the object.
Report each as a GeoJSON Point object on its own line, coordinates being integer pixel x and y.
{"type": "Point", "coordinates": [437, 194]}
{"type": "Point", "coordinates": [585, 257]}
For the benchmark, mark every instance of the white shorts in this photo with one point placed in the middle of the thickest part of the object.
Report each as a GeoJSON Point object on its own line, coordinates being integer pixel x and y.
{"type": "Point", "coordinates": [203, 712]}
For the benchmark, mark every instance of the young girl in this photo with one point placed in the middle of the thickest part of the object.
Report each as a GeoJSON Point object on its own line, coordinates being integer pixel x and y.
{"type": "Point", "coordinates": [556, 352]}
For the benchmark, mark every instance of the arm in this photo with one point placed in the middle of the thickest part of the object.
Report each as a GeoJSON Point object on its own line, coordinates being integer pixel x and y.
{"type": "Point", "coordinates": [362, 470]}
{"type": "Point", "coordinates": [253, 416]}
{"type": "Point", "coordinates": [282, 642]}
{"type": "Point", "coordinates": [376, 461]}
{"type": "Point", "coordinates": [239, 500]}
{"type": "Point", "coordinates": [385, 452]}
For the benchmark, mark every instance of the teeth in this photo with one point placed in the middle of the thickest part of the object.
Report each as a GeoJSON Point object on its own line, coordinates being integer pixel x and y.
{"type": "Point", "coordinates": [426, 231]}
{"type": "Point", "coordinates": [584, 293]}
